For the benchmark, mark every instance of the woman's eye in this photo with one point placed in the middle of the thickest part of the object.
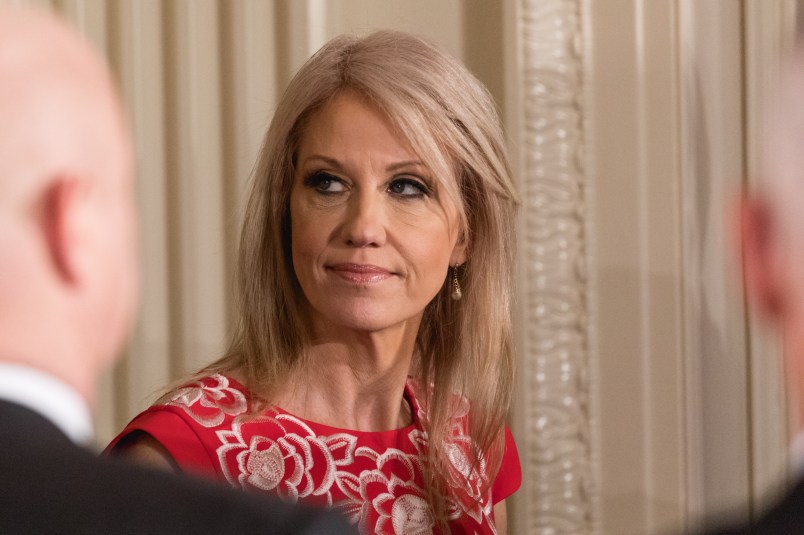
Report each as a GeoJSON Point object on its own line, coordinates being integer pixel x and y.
{"type": "Point", "coordinates": [408, 187]}
{"type": "Point", "coordinates": [324, 182]}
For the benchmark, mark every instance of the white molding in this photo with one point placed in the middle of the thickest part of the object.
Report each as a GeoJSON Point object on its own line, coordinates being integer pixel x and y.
{"type": "Point", "coordinates": [553, 405]}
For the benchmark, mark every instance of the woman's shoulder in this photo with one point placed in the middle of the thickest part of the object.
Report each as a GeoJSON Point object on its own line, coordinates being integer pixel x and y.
{"type": "Point", "coordinates": [209, 400]}
{"type": "Point", "coordinates": [185, 421]}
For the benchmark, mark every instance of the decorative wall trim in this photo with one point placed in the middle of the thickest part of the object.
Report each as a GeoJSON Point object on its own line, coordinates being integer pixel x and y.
{"type": "Point", "coordinates": [555, 365]}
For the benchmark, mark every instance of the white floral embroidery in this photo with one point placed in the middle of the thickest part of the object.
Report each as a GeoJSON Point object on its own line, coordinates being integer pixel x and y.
{"type": "Point", "coordinates": [411, 514]}
{"type": "Point", "coordinates": [284, 465]}
{"type": "Point", "coordinates": [466, 480]}
{"type": "Point", "coordinates": [208, 404]}
{"type": "Point", "coordinates": [380, 491]}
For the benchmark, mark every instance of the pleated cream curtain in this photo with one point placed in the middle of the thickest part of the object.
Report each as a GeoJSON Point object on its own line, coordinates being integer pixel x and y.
{"type": "Point", "coordinates": [200, 80]}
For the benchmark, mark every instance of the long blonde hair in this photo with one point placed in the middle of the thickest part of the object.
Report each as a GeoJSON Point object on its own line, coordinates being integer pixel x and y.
{"type": "Point", "coordinates": [449, 119]}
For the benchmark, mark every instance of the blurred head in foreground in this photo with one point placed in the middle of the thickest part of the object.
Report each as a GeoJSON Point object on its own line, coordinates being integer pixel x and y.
{"type": "Point", "coordinates": [68, 265]}
{"type": "Point", "coordinates": [771, 225]}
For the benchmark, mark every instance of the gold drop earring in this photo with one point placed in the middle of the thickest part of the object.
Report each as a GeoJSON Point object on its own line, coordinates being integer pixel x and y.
{"type": "Point", "coordinates": [455, 294]}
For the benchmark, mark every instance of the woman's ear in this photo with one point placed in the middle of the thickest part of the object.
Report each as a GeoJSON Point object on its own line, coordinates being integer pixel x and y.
{"type": "Point", "coordinates": [758, 244]}
{"type": "Point", "coordinates": [459, 251]}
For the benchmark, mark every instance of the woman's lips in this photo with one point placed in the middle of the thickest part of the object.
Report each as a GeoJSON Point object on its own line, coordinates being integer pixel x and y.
{"type": "Point", "coordinates": [360, 273]}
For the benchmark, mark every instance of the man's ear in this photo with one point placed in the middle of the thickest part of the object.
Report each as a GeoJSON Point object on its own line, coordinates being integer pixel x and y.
{"type": "Point", "coordinates": [65, 228]}
{"type": "Point", "coordinates": [758, 234]}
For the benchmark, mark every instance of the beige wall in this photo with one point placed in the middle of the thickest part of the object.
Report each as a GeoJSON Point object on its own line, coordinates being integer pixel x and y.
{"type": "Point", "coordinates": [646, 396]}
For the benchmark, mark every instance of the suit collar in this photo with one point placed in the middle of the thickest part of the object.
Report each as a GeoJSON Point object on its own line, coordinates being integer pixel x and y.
{"type": "Point", "coordinates": [49, 397]}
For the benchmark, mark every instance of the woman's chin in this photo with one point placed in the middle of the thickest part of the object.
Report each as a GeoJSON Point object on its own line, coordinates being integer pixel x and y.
{"type": "Point", "coordinates": [364, 319]}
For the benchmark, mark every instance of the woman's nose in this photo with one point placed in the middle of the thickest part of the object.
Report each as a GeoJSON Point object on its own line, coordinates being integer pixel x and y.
{"type": "Point", "coordinates": [364, 224]}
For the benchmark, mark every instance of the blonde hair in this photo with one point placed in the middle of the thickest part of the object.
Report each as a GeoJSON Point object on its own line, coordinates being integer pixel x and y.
{"type": "Point", "coordinates": [450, 120]}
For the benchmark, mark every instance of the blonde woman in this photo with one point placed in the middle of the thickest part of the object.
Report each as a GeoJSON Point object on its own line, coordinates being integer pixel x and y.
{"type": "Point", "coordinates": [371, 369]}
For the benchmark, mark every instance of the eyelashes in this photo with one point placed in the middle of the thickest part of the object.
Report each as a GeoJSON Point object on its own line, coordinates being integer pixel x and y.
{"type": "Point", "coordinates": [403, 187]}
{"type": "Point", "coordinates": [324, 183]}
{"type": "Point", "coordinates": [408, 187]}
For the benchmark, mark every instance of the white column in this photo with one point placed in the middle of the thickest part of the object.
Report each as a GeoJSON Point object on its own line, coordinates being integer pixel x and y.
{"type": "Point", "coordinates": [552, 413]}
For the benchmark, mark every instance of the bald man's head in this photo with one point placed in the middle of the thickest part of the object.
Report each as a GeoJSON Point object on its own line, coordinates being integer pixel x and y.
{"type": "Point", "coordinates": [57, 104]}
{"type": "Point", "coordinates": [67, 255]}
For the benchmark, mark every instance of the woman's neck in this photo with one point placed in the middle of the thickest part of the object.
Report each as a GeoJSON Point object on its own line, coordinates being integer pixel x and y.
{"type": "Point", "coordinates": [352, 381]}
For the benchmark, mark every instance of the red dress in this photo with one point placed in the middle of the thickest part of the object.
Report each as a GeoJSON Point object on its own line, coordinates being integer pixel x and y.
{"type": "Point", "coordinates": [374, 478]}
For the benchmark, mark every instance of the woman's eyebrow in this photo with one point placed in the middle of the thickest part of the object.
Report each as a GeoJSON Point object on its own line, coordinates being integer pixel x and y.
{"type": "Point", "coordinates": [407, 163]}
{"type": "Point", "coordinates": [326, 159]}
{"type": "Point", "coordinates": [335, 163]}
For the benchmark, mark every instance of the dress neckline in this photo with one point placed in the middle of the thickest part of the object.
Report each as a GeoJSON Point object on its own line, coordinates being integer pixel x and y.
{"type": "Point", "coordinates": [322, 428]}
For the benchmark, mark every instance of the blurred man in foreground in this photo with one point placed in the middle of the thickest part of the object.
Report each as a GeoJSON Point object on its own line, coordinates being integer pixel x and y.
{"type": "Point", "coordinates": [771, 230]}
{"type": "Point", "coordinates": [68, 286]}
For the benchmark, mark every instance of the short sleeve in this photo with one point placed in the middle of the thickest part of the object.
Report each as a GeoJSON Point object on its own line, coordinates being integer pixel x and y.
{"type": "Point", "coordinates": [509, 478]}
{"type": "Point", "coordinates": [178, 438]}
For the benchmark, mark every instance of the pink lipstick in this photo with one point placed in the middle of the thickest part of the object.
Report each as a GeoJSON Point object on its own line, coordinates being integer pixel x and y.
{"type": "Point", "coordinates": [361, 273]}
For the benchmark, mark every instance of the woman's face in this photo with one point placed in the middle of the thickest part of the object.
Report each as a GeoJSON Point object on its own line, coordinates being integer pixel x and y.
{"type": "Point", "coordinates": [372, 237]}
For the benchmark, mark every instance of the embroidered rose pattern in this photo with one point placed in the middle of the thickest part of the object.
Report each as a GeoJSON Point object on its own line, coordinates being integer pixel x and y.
{"type": "Point", "coordinates": [297, 464]}
{"type": "Point", "coordinates": [209, 400]}
{"type": "Point", "coordinates": [466, 480]}
{"type": "Point", "coordinates": [380, 491]}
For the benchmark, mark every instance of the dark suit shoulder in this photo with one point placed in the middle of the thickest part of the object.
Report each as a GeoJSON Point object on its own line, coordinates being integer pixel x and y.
{"type": "Point", "coordinates": [786, 517]}
{"type": "Point", "coordinates": [50, 485]}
